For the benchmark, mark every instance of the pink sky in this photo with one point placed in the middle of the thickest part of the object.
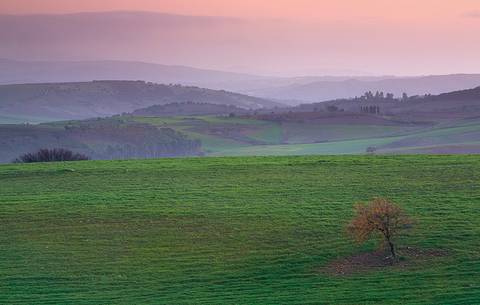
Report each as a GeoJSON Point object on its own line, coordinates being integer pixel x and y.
{"type": "Point", "coordinates": [413, 10]}
{"type": "Point", "coordinates": [377, 36]}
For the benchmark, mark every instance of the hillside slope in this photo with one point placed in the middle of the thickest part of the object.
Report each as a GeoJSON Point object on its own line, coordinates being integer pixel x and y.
{"type": "Point", "coordinates": [64, 101]}
{"type": "Point", "coordinates": [188, 109]}
{"type": "Point", "coordinates": [430, 108]}
{"type": "Point", "coordinates": [232, 230]}
{"type": "Point", "coordinates": [98, 139]}
{"type": "Point", "coordinates": [447, 123]}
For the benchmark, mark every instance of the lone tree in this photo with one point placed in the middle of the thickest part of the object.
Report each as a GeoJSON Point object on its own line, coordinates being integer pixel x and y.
{"type": "Point", "coordinates": [379, 217]}
{"type": "Point", "coordinates": [51, 155]}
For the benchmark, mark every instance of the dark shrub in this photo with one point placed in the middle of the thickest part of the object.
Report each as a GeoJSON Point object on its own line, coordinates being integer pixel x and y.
{"type": "Point", "coordinates": [332, 108]}
{"type": "Point", "coordinates": [51, 155]}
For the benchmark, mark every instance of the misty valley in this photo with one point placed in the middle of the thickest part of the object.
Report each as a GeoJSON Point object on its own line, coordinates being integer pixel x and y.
{"type": "Point", "coordinates": [145, 120]}
{"type": "Point", "coordinates": [239, 152]}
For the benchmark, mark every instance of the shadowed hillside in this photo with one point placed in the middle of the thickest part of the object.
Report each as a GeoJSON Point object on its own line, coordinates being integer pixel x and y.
{"type": "Point", "coordinates": [63, 101]}
{"type": "Point", "coordinates": [97, 139]}
{"type": "Point", "coordinates": [426, 108]}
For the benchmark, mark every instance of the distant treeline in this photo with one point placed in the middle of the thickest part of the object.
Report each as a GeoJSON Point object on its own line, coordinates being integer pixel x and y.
{"type": "Point", "coordinates": [97, 139]}
{"type": "Point", "coordinates": [189, 108]}
{"type": "Point", "coordinates": [119, 140]}
{"type": "Point", "coordinates": [380, 103]}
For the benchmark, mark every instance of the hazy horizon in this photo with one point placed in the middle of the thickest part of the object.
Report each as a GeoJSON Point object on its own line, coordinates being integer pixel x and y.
{"type": "Point", "coordinates": [274, 38]}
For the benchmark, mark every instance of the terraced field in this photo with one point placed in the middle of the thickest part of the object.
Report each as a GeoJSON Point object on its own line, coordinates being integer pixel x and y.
{"type": "Point", "coordinates": [255, 230]}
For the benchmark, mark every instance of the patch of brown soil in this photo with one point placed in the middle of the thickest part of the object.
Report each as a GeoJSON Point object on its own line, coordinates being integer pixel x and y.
{"type": "Point", "coordinates": [379, 260]}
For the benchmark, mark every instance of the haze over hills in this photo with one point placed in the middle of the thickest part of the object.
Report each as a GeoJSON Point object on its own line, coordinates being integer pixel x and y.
{"type": "Point", "coordinates": [64, 101]}
{"type": "Point", "coordinates": [446, 123]}
{"type": "Point", "coordinates": [265, 46]}
{"type": "Point", "coordinates": [22, 72]}
{"type": "Point", "coordinates": [217, 41]}
{"type": "Point", "coordinates": [19, 72]}
{"type": "Point", "coordinates": [328, 90]}
{"type": "Point", "coordinates": [96, 35]}
{"type": "Point", "coordinates": [462, 104]}
{"type": "Point", "coordinates": [291, 90]}
{"type": "Point", "coordinates": [71, 48]}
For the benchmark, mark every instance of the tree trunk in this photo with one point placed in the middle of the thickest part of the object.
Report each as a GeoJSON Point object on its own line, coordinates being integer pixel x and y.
{"type": "Point", "coordinates": [392, 249]}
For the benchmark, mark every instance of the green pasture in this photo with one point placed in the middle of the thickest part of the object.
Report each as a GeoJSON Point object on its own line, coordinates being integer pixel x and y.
{"type": "Point", "coordinates": [250, 230]}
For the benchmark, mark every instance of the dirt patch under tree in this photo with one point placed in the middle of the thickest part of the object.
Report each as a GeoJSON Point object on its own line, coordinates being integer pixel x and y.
{"type": "Point", "coordinates": [379, 260]}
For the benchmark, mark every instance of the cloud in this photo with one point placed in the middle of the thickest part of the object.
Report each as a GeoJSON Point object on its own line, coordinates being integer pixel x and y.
{"type": "Point", "coordinates": [472, 14]}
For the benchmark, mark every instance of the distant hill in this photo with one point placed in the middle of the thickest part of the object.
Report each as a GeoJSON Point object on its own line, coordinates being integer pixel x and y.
{"type": "Point", "coordinates": [64, 101]}
{"type": "Point", "coordinates": [461, 95]}
{"type": "Point", "coordinates": [418, 109]}
{"type": "Point", "coordinates": [319, 91]}
{"type": "Point", "coordinates": [378, 123]}
{"type": "Point", "coordinates": [288, 90]}
{"type": "Point", "coordinates": [188, 108]}
{"type": "Point", "coordinates": [20, 72]}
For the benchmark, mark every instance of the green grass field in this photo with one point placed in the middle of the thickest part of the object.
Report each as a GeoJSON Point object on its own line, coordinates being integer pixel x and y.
{"type": "Point", "coordinates": [248, 137]}
{"type": "Point", "coordinates": [329, 148]}
{"type": "Point", "coordinates": [252, 230]}
{"type": "Point", "coordinates": [240, 136]}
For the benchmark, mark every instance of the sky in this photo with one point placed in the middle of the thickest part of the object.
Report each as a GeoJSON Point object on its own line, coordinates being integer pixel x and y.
{"type": "Point", "coordinates": [418, 10]}
{"type": "Point", "coordinates": [290, 37]}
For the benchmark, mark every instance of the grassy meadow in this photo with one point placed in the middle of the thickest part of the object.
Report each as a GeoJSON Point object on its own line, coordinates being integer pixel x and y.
{"type": "Point", "coordinates": [244, 136]}
{"type": "Point", "coordinates": [223, 136]}
{"type": "Point", "coordinates": [251, 230]}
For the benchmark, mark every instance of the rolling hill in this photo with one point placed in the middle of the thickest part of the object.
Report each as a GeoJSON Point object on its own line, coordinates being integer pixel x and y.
{"type": "Point", "coordinates": [429, 108]}
{"type": "Point", "coordinates": [290, 90]}
{"type": "Point", "coordinates": [98, 139]}
{"type": "Point", "coordinates": [65, 101]}
{"type": "Point", "coordinates": [446, 123]}
{"type": "Point", "coordinates": [318, 91]}
{"type": "Point", "coordinates": [189, 109]}
{"type": "Point", "coordinates": [233, 231]}
{"type": "Point", "coordinates": [22, 72]}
